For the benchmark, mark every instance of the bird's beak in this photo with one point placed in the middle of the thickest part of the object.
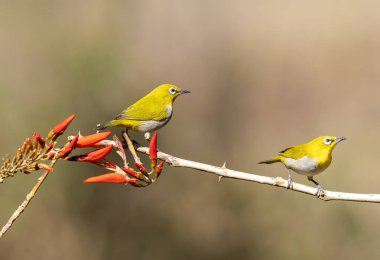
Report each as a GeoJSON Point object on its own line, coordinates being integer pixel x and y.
{"type": "Point", "coordinates": [340, 139]}
{"type": "Point", "coordinates": [184, 91]}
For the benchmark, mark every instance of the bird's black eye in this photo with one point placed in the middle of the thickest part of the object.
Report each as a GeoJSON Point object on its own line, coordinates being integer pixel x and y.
{"type": "Point", "coordinates": [172, 91]}
{"type": "Point", "coordinates": [327, 141]}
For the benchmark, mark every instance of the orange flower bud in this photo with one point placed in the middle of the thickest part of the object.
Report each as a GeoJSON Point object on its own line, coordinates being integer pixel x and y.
{"type": "Point", "coordinates": [51, 154]}
{"type": "Point", "coordinates": [28, 142]}
{"type": "Point", "coordinates": [153, 147]}
{"type": "Point", "coordinates": [35, 142]}
{"type": "Point", "coordinates": [37, 139]}
{"type": "Point", "coordinates": [28, 146]}
{"type": "Point", "coordinates": [133, 182]}
{"type": "Point", "coordinates": [131, 172]}
{"type": "Point", "coordinates": [19, 154]}
{"type": "Point", "coordinates": [69, 148]}
{"type": "Point", "coordinates": [93, 156]}
{"type": "Point", "coordinates": [107, 178]}
{"type": "Point", "coordinates": [106, 164]}
{"type": "Point", "coordinates": [159, 168]}
{"type": "Point", "coordinates": [61, 127]}
{"type": "Point", "coordinates": [23, 147]}
{"type": "Point", "coordinates": [141, 168]}
{"type": "Point", "coordinates": [91, 140]}
{"type": "Point", "coordinates": [49, 147]}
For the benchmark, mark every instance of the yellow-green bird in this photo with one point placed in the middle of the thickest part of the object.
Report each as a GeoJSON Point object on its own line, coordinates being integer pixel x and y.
{"type": "Point", "coordinates": [149, 113]}
{"type": "Point", "coordinates": [308, 159]}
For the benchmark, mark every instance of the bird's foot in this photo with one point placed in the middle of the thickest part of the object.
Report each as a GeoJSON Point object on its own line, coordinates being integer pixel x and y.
{"type": "Point", "coordinates": [290, 183]}
{"type": "Point", "coordinates": [320, 192]}
{"type": "Point", "coordinates": [135, 143]}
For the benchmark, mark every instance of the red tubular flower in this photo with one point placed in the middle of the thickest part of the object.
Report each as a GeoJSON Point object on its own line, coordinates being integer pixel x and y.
{"type": "Point", "coordinates": [23, 147]}
{"type": "Point", "coordinates": [51, 155]}
{"type": "Point", "coordinates": [131, 172]}
{"type": "Point", "coordinates": [69, 148]}
{"type": "Point", "coordinates": [37, 139]}
{"type": "Point", "coordinates": [27, 147]}
{"type": "Point", "coordinates": [19, 154]}
{"type": "Point", "coordinates": [141, 168]}
{"type": "Point", "coordinates": [91, 140]}
{"type": "Point", "coordinates": [106, 164]}
{"type": "Point", "coordinates": [49, 147]}
{"type": "Point", "coordinates": [93, 156]}
{"type": "Point", "coordinates": [159, 168]}
{"type": "Point", "coordinates": [153, 147]}
{"type": "Point", "coordinates": [107, 178]}
{"type": "Point", "coordinates": [29, 142]}
{"type": "Point", "coordinates": [133, 182]}
{"type": "Point", "coordinates": [61, 127]}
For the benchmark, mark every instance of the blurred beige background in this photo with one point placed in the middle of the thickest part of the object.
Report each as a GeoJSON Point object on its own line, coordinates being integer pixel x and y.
{"type": "Point", "coordinates": [264, 75]}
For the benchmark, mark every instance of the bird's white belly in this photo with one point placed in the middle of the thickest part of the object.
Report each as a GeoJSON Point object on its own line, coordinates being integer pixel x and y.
{"type": "Point", "coordinates": [305, 166]}
{"type": "Point", "coordinates": [152, 125]}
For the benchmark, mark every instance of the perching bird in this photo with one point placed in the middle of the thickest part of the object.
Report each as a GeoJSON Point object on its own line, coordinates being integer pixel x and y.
{"type": "Point", "coordinates": [149, 113]}
{"type": "Point", "coordinates": [308, 159]}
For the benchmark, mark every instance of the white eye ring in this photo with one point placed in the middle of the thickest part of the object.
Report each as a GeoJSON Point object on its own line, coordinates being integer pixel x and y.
{"type": "Point", "coordinates": [327, 141]}
{"type": "Point", "coordinates": [172, 91]}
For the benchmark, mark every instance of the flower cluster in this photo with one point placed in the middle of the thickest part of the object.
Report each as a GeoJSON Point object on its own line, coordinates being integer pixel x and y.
{"type": "Point", "coordinates": [138, 177]}
{"type": "Point", "coordinates": [34, 153]}
{"type": "Point", "coordinates": [42, 153]}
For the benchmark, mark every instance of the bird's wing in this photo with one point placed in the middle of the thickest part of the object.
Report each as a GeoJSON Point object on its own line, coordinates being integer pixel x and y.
{"type": "Point", "coordinates": [295, 152]}
{"type": "Point", "coordinates": [141, 111]}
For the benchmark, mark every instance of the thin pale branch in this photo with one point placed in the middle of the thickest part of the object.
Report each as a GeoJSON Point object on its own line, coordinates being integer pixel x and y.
{"type": "Point", "coordinates": [26, 202]}
{"type": "Point", "coordinates": [273, 181]}
{"type": "Point", "coordinates": [131, 147]}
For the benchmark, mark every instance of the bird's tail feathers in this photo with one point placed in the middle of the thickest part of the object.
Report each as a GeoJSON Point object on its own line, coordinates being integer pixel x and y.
{"type": "Point", "coordinates": [273, 160]}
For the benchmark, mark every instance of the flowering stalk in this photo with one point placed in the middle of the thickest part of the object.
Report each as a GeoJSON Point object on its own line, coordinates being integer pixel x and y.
{"type": "Point", "coordinates": [32, 156]}
{"type": "Point", "coordinates": [139, 177]}
{"type": "Point", "coordinates": [41, 153]}
{"type": "Point", "coordinates": [35, 153]}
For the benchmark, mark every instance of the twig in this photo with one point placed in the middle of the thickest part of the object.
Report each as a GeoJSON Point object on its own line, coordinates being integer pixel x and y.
{"type": "Point", "coordinates": [26, 202]}
{"type": "Point", "coordinates": [273, 181]}
{"type": "Point", "coordinates": [131, 148]}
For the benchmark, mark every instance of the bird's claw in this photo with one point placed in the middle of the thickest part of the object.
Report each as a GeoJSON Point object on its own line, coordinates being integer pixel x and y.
{"type": "Point", "coordinates": [290, 183]}
{"type": "Point", "coordinates": [135, 143]}
{"type": "Point", "coordinates": [320, 192]}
